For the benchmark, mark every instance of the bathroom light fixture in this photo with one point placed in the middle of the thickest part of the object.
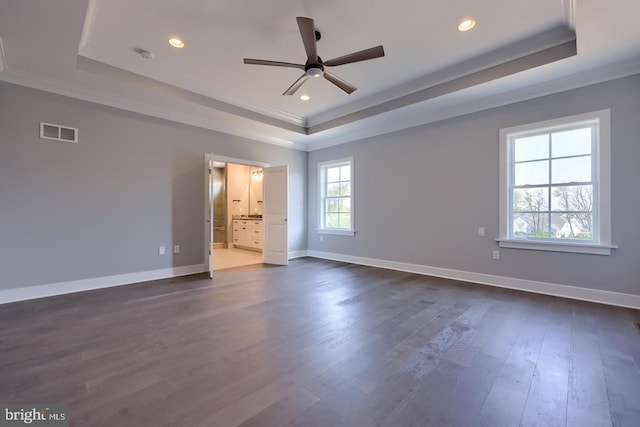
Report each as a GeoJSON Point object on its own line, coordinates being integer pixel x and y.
{"type": "Point", "coordinates": [176, 42]}
{"type": "Point", "coordinates": [466, 24]}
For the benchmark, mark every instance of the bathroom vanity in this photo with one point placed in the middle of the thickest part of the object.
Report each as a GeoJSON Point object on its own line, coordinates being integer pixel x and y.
{"type": "Point", "coordinates": [247, 233]}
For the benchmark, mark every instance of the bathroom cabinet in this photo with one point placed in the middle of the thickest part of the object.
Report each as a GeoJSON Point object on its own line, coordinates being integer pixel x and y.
{"type": "Point", "coordinates": [247, 233]}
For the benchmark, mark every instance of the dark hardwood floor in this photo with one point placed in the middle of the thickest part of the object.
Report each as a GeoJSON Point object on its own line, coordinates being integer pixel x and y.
{"type": "Point", "coordinates": [321, 343]}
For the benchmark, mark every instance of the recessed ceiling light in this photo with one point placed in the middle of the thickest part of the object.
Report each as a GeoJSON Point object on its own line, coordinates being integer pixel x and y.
{"type": "Point", "coordinates": [176, 42]}
{"type": "Point", "coordinates": [305, 97]}
{"type": "Point", "coordinates": [466, 25]}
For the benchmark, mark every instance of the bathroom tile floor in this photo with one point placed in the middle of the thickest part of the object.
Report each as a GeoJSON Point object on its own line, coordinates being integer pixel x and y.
{"type": "Point", "coordinates": [234, 257]}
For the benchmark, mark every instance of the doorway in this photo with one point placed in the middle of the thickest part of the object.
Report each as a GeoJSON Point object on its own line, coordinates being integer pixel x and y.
{"type": "Point", "coordinates": [255, 217]}
{"type": "Point", "coordinates": [238, 208]}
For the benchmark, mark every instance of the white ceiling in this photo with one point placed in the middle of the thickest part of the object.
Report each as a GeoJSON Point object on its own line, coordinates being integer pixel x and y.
{"type": "Point", "coordinates": [85, 49]}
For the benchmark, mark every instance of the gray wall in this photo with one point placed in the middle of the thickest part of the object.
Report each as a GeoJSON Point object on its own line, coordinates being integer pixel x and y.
{"type": "Point", "coordinates": [422, 193]}
{"type": "Point", "coordinates": [102, 207]}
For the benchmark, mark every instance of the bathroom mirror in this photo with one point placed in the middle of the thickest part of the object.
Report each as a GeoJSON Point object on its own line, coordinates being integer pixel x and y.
{"type": "Point", "coordinates": [255, 191]}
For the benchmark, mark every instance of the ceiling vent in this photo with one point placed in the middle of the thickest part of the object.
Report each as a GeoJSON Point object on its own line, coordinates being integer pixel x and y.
{"type": "Point", "coordinates": [58, 133]}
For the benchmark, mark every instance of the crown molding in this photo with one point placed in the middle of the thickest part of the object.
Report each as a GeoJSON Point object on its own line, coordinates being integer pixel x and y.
{"type": "Point", "coordinates": [417, 114]}
{"type": "Point", "coordinates": [97, 61]}
{"type": "Point", "coordinates": [440, 109]}
{"type": "Point", "coordinates": [87, 61]}
{"type": "Point", "coordinates": [3, 59]}
{"type": "Point", "coordinates": [551, 45]}
{"type": "Point", "coordinates": [206, 117]}
{"type": "Point", "coordinates": [88, 52]}
{"type": "Point", "coordinates": [569, 13]}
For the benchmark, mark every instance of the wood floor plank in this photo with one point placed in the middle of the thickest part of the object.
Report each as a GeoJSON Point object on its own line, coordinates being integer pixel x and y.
{"type": "Point", "coordinates": [547, 398]}
{"type": "Point", "coordinates": [322, 343]}
{"type": "Point", "coordinates": [588, 401]}
{"type": "Point", "coordinates": [283, 411]}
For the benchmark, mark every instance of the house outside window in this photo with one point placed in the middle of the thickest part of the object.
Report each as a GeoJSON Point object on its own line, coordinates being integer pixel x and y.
{"type": "Point", "coordinates": [555, 185]}
{"type": "Point", "coordinates": [336, 197]}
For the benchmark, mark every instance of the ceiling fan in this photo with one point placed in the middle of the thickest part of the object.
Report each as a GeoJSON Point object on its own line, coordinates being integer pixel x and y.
{"type": "Point", "coordinates": [315, 67]}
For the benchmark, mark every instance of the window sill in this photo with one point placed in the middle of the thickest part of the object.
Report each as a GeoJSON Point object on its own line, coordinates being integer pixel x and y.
{"type": "Point", "coordinates": [336, 232]}
{"type": "Point", "coordinates": [538, 245]}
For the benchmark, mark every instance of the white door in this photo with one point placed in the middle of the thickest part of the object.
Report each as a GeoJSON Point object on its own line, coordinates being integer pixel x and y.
{"type": "Point", "coordinates": [276, 192]}
{"type": "Point", "coordinates": [208, 212]}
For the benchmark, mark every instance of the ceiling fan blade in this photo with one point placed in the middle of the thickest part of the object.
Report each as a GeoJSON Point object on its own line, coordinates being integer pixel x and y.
{"type": "Point", "coordinates": [274, 63]}
{"type": "Point", "coordinates": [296, 85]}
{"type": "Point", "coordinates": [308, 33]}
{"type": "Point", "coordinates": [363, 55]}
{"type": "Point", "coordinates": [347, 87]}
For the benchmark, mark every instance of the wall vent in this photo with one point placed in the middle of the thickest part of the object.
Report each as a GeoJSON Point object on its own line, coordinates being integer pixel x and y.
{"type": "Point", "coordinates": [58, 133]}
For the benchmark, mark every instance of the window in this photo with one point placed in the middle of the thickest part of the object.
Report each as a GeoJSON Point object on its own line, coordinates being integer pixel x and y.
{"type": "Point", "coordinates": [336, 197]}
{"type": "Point", "coordinates": [555, 185]}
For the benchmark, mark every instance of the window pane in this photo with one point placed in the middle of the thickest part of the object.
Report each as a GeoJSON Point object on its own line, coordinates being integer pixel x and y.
{"type": "Point", "coordinates": [345, 204]}
{"type": "Point", "coordinates": [332, 220]}
{"type": "Point", "coordinates": [333, 205]}
{"type": "Point", "coordinates": [345, 188]}
{"type": "Point", "coordinates": [575, 169]}
{"type": "Point", "coordinates": [345, 173]}
{"type": "Point", "coordinates": [571, 143]}
{"type": "Point", "coordinates": [530, 200]}
{"type": "Point", "coordinates": [333, 190]}
{"type": "Point", "coordinates": [345, 220]}
{"type": "Point", "coordinates": [333, 174]}
{"type": "Point", "coordinates": [531, 148]}
{"type": "Point", "coordinates": [573, 226]}
{"type": "Point", "coordinates": [531, 225]}
{"type": "Point", "coordinates": [532, 173]}
{"type": "Point", "coordinates": [572, 198]}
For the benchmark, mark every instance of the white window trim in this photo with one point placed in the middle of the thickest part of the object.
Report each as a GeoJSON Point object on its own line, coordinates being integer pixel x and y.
{"type": "Point", "coordinates": [321, 195]}
{"type": "Point", "coordinates": [603, 172]}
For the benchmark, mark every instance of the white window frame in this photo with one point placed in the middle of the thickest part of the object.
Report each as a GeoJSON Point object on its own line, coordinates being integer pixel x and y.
{"type": "Point", "coordinates": [322, 187]}
{"type": "Point", "coordinates": [601, 160]}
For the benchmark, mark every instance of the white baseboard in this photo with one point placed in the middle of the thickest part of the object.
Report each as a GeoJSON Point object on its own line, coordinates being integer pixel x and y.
{"type": "Point", "coordinates": [60, 288]}
{"type": "Point", "coordinates": [297, 254]}
{"type": "Point", "coordinates": [573, 292]}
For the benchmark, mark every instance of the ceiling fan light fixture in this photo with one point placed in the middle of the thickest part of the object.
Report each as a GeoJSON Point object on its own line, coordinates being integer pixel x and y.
{"type": "Point", "coordinates": [314, 72]}
{"type": "Point", "coordinates": [466, 24]}
{"type": "Point", "coordinates": [176, 42]}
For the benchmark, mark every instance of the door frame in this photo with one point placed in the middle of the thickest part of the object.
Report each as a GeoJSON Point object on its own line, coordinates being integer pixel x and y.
{"type": "Point", "coordinates": [208, 203]}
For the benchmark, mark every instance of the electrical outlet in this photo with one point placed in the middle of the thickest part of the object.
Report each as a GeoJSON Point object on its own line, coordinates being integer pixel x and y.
{"type": "Point", "coordinates": [161, 250]}
{"type": "Point", "coordinates": [321, 238]}
{"type": "Point", "coordinates": [480, 231]}
{"type": "Point", "coordinates": [496, 254]}
{"type": "Point", "coordinates": [176, 249]}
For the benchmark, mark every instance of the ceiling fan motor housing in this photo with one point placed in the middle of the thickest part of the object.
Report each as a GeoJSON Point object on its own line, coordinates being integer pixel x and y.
{"type": "Point", "coordinates": [314, 68]}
